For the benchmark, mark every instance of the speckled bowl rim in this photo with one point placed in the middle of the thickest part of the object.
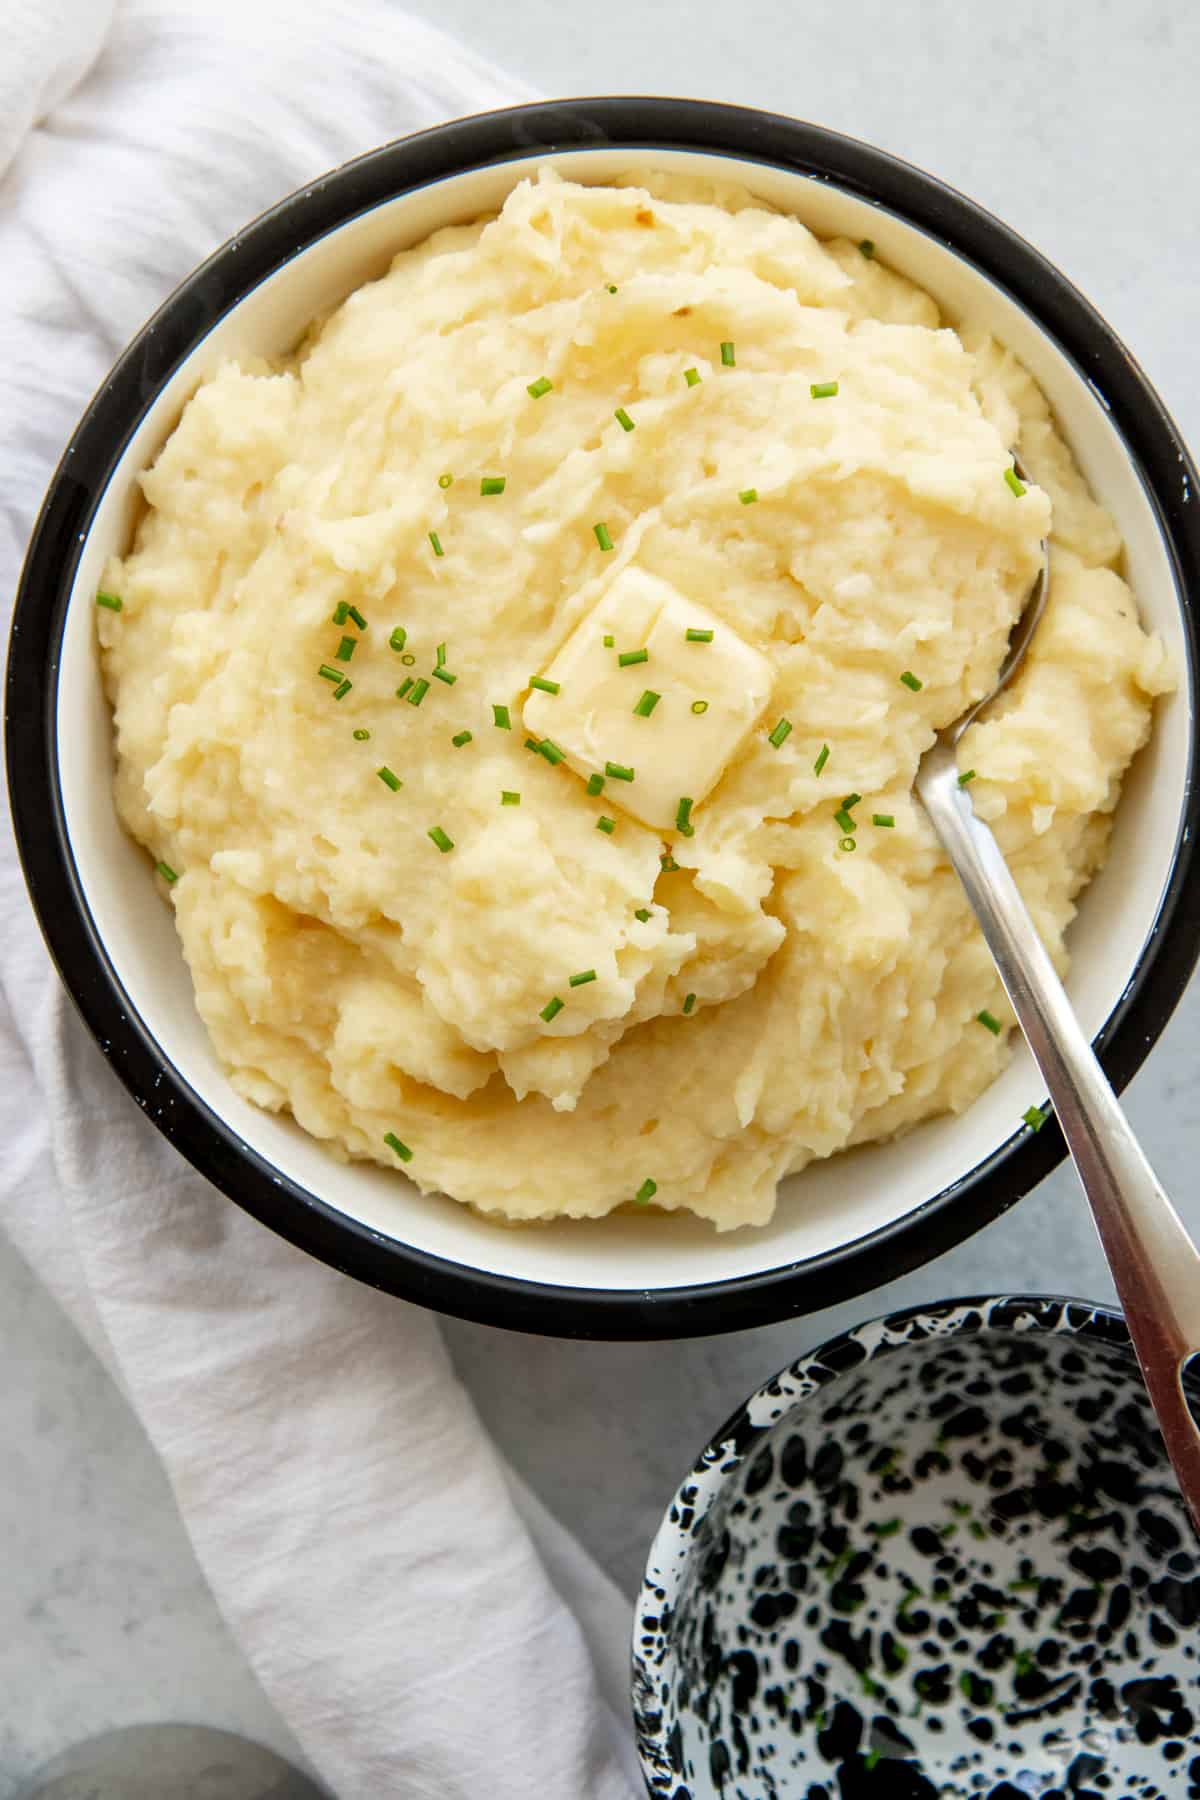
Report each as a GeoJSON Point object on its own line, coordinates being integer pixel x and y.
{"type": "Point", "coordinates": [784, 1393]}
{"type": "Point", "coordinates": [200, 1133]}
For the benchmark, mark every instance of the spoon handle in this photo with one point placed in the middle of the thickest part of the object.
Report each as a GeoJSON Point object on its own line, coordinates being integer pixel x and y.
{"type": "Point", "coordinates": [1155, 1265]}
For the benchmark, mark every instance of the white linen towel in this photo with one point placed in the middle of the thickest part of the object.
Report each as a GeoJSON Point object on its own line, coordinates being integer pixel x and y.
{"type": "Point", "coordinates": [420, 1622]}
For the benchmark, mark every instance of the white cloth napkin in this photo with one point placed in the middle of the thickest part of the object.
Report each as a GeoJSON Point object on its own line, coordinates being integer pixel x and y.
{"type": "Point", "coordinates": [422, 1624]}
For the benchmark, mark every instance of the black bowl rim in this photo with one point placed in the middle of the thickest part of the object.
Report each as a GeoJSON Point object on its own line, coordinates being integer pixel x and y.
{"type": "Point", "coordinates": [196, 305]}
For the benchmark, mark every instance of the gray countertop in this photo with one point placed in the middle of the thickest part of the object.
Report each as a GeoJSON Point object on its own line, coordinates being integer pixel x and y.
{"type": "Point", "coordinates": [1078, 126]}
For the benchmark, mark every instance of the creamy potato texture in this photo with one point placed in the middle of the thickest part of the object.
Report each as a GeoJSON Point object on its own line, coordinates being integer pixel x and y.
{"type": "Point", "coordinates": [769, 986]}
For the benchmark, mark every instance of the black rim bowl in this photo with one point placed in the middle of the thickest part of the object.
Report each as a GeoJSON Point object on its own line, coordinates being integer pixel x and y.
{"type": "Point", "coordinates": [39, 618]}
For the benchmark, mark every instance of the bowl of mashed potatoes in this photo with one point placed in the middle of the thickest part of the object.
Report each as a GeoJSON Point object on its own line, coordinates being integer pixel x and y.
{"type": "Point", "coordinates": [494, 615]}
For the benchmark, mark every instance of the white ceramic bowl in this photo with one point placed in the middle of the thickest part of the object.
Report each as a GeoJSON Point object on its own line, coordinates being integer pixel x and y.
{"type": "Point", "coordinates": [842, 1225]}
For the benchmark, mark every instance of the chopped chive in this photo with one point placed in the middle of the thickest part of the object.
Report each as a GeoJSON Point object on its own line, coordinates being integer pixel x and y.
{"type": "Point", "coordinates": [990, 1021]}
{"type": "Point", "coordinates": [531, 743]}
{"type": "Point", "coordinates": [436, 541]}
{"type": "Point", "coordinates": [543, 686]}
{"type": "Point", "coordinates": [493, 484]}
{"type": "Point", "coordinates": [623, 419]}
{"type": "Point", "coordinates": [884, 820]}
{"type": "Point", "coordinates": [329, 674]}
{"type": "Point", "coordinates": [602, 538]}
{"type": "Point", "coordinates": [844, 819]}
{"type": "Point", "coordinates": [683, 820]}
{"type": "Point", "coordinates": [609, 640]}
{"type": "Point", "coordinates": [694, 635]}
{"type": "Point", "coordinates": [1035, 1117]}
{"type": "Point", "coordinates": [582, 979]}
{"type": "Point", "coordinates": [692, 377]}
{"type": "Point", "coordinates": [446, 480]}
{"type": "Point", "coordinates": [393, 1143]}
{"type": "Point", "coordinates": [642, 913]}
{"type": "Point", "coordinates": [911, 681]}
{"type": "Point", "coordinates": [628, 658]}
{"type": "Point", "coordinates": [552, 752]}
{"type": "Point", "coordinates": [618, 771]}
{"type": "Point", "coordinates": [781, 731]}
{"type": "Point", "coordinates": [419, 691]}
{"type": "Point", "coordinates": [851, 801]}
{"type": "Point", "coordinates": [667, 863]}
{"type": "Point", "coordinates": [341, 612]}
{"type": "Point", "coordinates": [699, 706]}
{"type": "Point", "coordinates": [460, 738]}
{"type": "Point", "coordinates": [345, 649]}
{"type": "Point", "coordinates": [967, 776]}
{"type": "Point", "coordinates": [607, 826]}
{"type": "Point", "coordinates": [389, 779]}
{"type": "Point", "coordinates": [537, 388]}
{"type": "Point", "coordinates": [847, 843]}
{"type": "Point", "coordinates": [689, 1003]}
{"type": "Point", "coordinates": [508, 798]}
{"type": "Point", "coordinates": [647, 703]}
{"type": "Point", "coordinates": [167, 872]}
{"type": "Point", "coordinates": [439, 656]}
{"type": "Point", "coordinates": [113, 602]}
{"type": "Point", "coordinates": [361, 735]}
{"type": "Point", "coordinates": [646, 1192]}
{"type": "Point", "coordinates": [408, 659]}
{"type": "Point", "coordinates": [402, 690]}
{"type": "Point", "coordinates": [822, 759]}
{"type": "Point", "coordinates": [552, 1009]}
{"type": "Point", "coordinates": [595, 784]}
{"type": "Point", "coordinates": [342, 689]}
{"type": "Point", "coordinates": [727, 354]}
{"type": "Point", "coordinates": [1015, 483]}
{"type": "Point", "coordinates": [823, 390]}
{"type": "Point", "coordinates": [500, 718]}
{"type": "Point", "coordinates": [609, 288]}
{"type": "Point", "coordinates": [398, 638]}
{"type": "Point", "coordinates": [867, 246]}
{"type": "Point", "coordinates": [439, 837]}
{"type": "Point", "coordinates": [446, 676]}
{"type": "Point", "coordinates": [356, 617]}
{"type": "Point", "coordinates": [748, 496]}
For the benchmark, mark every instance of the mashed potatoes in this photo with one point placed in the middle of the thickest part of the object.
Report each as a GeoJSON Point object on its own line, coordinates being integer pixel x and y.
{"type": "Point", "coordinates": [425, 907]}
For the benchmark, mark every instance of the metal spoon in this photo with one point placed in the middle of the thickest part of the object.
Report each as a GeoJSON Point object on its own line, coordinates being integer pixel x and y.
{"type": "Point", "coordinates": [1155, 1265]}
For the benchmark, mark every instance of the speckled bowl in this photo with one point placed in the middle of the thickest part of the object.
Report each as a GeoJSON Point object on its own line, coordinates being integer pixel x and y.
{"type": "Point", "coordinates": [943, 1558]}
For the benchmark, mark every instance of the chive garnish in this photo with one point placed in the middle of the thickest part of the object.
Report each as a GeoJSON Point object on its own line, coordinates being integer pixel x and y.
{"type": "Point", "coordinates": [398, 638]}
{"type": "Point", "coordinates": [968, 775]}
{"type": "Point", "coordinates": [602, 537]}
{"type": "Point", "coordinates": [781, 731]}
{"type": "Point", "coordinates": [552, 1009]}
{"type": "Point", "coordinates": [1015, 483]}
{"type": "Point", "coordinates": [446, 676]}
{"type": "Point", "coordinates": [647, 703]}
{"type": "Point", "coordinates": [623, 419]}
{"type": "Point", "coordinates": [646, 1192]}
{"type": "Point", "coordinates": [439, 656]}
{"type": "Point", "coordinates": [607, 826]}
{"type": "Point", "coordinates": [667, 863]}
{"type": "Point", "coordinates": [436, 541]}
{"type": "Point", "coordinates": [912, 681]}
{"type": "Point", "coordinates": [345, 649]}
{"type": "Point", "coordinates": [393, 1143]}
{"type": "Point", "coordinates": [537, 388]}
{"type": "Point", "coordinates": [991, 1022]}
{"type": "Point", "coordinates": [551, 751]}
{"type": "Point", "coordinates": [694, 635]}
{"type": "Point", "coordinates": [727, 354]}
{"type": "Point", "coordinates": [342, 689]}
{"type": "Point", "coordinates": [543, 686]}
{"type": "Point", "coordinates": [692, 377]}
{"type": "Point", "coordinates": [440, 838]}
{"type": "Point", "coordinates": [748, 496]}
{"type": "Point", "coordinates": [822, 759]}
{"type": "Point", "coordinates": [500, 718]}
{"type": "Point", "coordinates": [699, 706]}
{"type": "Point", "coordinates": [329, 674]}
{"type": "Point", "coordinates": [847, 843]}
{"type": "Point", "coordinates": [508, 798]}
{"type": "Point", "coordinates": [867, 246]}
{"type": "Point", "coordinates": [609, 288]}
{"type": "Point", "coordinates": [492, 484]}
{"type": "Point", "coordinates": [341, 612]}
{"type": "Point", "coordinates": [361, 735]}
{"type": "Point", "coordinates": [460, 738]}
{"type": "Point", "coordinates": [113, 602]}
{"type": "Point", "coordinates": [627, 658]}
{"type": "Point", "coordinates": [419, 691]}
{"type": "Point", "coordinates": [389, 779]}
{"type": "Point", "coordinates": [402, 690]}
{"type": "Point", "coordinates": [531, 744]}
{"type": "Point", "coordinates": [595, 784]}
{"type": "Point", "coordinates": [851, 801]}
{"type": "Point", "coordinates": [408, 659]}
{"type": "Point", "coordinates": [689, 1002]}
{"type": "Point", "coordinates": [356, 618]}
{"type": "Point", "coordinates": [844, 819]}
{"type": "Point", "coordinates": [683, 817]}
{"type": "Point", "coordinates": [582, 979]}
{"type": "Point", "coordinates": [446, 480]}
{"type": "Point", "coordinates": [642, 913]}
{"type": "Point", "coordinates": [883, 820]}
{"type": "Point", "coordinates": [618, 771]}
{"type": "Point", "coordinates": [167, 872]}
{"type": "Point", "coordinates": [1035, 1118]}
{"type": "Point", "coordinates": [609, 640]}
{"type": "Point", "coordinates": [823, 390]}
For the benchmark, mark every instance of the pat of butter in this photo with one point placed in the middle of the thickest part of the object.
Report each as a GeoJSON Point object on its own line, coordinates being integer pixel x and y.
{"type": "Point", "coordinates": [675, 750]}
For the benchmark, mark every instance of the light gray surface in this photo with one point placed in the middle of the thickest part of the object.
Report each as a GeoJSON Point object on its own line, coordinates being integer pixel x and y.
{"type": "Point", "coordinates": [1079, 127]}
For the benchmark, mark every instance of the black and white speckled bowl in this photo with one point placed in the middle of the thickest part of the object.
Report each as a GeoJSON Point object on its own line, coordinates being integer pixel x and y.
{"type": "Point", "coordinates": [942, 1557]}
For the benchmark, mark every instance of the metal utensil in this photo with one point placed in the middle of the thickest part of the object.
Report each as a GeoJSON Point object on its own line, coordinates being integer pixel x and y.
{"type": "Point", "coordinates": [1155, 1265]}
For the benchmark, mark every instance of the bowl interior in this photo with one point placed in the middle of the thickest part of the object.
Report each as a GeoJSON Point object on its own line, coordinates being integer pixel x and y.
{"type": "Point", "coordinates": [959, 1568]}
{"type": "Point", "coordinates": [831, 1205]}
